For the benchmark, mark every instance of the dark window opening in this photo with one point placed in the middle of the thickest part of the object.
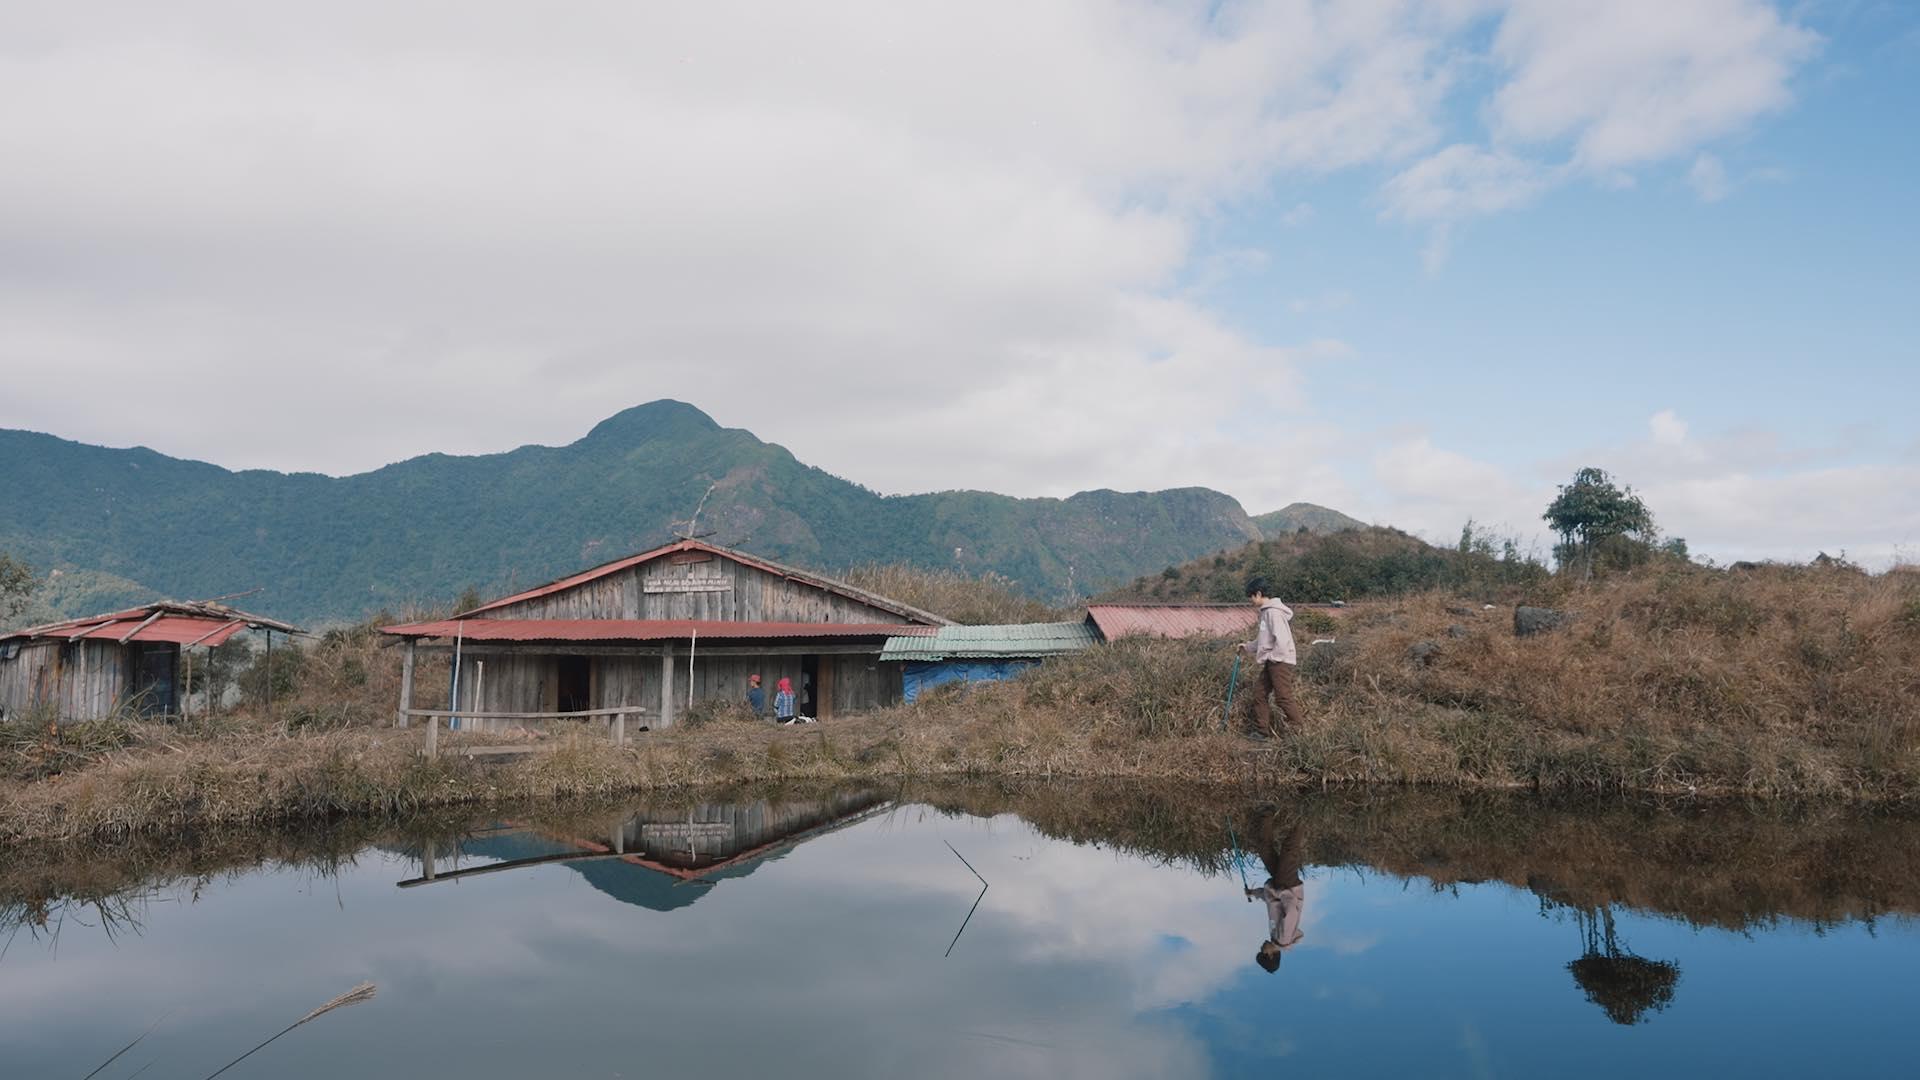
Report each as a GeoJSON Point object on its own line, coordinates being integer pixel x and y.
{"type": "Point", "coordinates": [575, 682]}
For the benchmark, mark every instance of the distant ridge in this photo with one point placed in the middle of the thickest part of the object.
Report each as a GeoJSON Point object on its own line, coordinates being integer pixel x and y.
{"type": "Point", "coordinates": [426, 528]}
{"type": "Point", "coordinates": [1304, 515]}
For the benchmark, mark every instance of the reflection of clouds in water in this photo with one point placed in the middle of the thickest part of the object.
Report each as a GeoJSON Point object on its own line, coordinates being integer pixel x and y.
{"type": "Point", "coordinates": [1335, 896]}
{"type": "Point", "coordinates": [832, 969]}
{"type": "Point", "coordinates": [1088, 904]}
{"type": "Point", "coordinates": [1101, 906]}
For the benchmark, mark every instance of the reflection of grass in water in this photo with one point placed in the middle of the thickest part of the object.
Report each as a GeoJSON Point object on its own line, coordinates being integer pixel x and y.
{"type": "Point", "coordinates": [1626, 986]}
{"type": "Point", "coordinates": [1723, 865]}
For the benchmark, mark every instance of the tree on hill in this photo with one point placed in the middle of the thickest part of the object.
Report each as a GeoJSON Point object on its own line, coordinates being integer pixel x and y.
{"type": "Point", "coordinates": [1599, 522]}
{"type": "Point", "coordinates": [16, 585]}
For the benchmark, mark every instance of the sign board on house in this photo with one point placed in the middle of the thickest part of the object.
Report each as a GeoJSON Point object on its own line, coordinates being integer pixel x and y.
{"type": "Point", "coordinates": [689, 584]}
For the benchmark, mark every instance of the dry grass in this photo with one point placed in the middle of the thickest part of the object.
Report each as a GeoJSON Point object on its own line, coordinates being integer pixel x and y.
{"type": "Point", "coordinates": [1779, 682]}
{"type": "Point", "coordinates": [1776, 682]}
{"type": "Point", "coordinates": [964, 598]}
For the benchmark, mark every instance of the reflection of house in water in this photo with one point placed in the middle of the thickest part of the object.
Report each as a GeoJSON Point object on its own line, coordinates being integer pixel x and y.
{"type": "Point", "coordinates": [666, 858]}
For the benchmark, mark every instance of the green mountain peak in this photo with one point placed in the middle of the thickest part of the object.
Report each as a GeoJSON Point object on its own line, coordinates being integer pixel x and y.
{"type": "Point", "coordinates": [421, 530]}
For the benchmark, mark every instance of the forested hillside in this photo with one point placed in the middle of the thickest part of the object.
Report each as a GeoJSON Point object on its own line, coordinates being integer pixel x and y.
{"type": "Point", "coordinates": [1347, 565]}
{"type": "Point", "coordinates": [427, 528]}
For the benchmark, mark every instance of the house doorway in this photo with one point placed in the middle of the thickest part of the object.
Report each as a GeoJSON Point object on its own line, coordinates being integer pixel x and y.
{"type": "Point", "coordinates": [805, 697]}
{"type": "Point", "coordinates": [574, 681]}
{"type": "Point", "coordinates": [816, 687]}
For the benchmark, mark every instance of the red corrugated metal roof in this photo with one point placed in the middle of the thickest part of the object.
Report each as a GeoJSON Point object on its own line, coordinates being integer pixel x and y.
{"type": "Point", "coordinates": [643, 630]}
{"type": "Point", "coordinates": [170, 623]}
{"type": "Point", "coordinates": [1171, 620]}
{"type": "Point", "coordinates": [618, 565]}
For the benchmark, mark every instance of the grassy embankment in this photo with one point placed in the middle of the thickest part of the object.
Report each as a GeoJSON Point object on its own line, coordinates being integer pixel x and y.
{"type": "Point", "coordinates": [1779, 682]}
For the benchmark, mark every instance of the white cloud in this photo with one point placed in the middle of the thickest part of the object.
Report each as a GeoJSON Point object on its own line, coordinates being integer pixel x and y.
{"type": "Point", "coordinates": [1463, 181]}
{"type": "Point", "coordinates": [1708, 178]}
{"type": "Point", "coordinates": [1604, 88]}
{"type": "Point", "coordinates": [468, 226]}
{"type": "Point", "coordinates": [1633, 81]}
{"type": "Point", "coordinates": [1432, 491]}
{"type": "Point", "coordinates": [1667, 428]}
{"type": "Point", "coordinates": [872, 234]}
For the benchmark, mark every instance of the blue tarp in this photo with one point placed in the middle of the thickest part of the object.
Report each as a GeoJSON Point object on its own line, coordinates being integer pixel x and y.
{"type": "Point", "coordinates": [918, 677]}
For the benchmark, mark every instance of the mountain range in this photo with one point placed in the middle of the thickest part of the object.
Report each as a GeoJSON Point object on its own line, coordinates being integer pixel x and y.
{"type": "Point", "coordinates": [126, 525]}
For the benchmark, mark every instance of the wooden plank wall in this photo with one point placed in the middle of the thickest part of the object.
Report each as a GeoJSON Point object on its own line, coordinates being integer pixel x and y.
{"type": "Point", "coordinates": [514, 682]}
{"type": "Point", "coordinates": [864, 682]}
{"type": "Point", "coordinates": [751, 595]}
{"type": "Point", "coordinates": [83, 681]}
{"type": "Point", "coordinates": [525, 682]}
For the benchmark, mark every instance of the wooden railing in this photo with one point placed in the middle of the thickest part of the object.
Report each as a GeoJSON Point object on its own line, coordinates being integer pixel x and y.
{"type": "Point", "coordinates": [619, 716]}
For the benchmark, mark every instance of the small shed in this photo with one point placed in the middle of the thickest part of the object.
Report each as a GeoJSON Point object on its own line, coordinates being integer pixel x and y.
{"type": "Point", "coordinates": [1115, 621]}
{"type": "Point", "coordinates": [84, 669]}
{"type": "Point", "coordinates": [980, 653]}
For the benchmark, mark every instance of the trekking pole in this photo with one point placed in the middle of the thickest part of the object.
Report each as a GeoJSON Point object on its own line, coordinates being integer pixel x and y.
{"type": "Point", "coordinates": [1233, 680]}
{"type": "Point", "coordinates": [1238, 862]}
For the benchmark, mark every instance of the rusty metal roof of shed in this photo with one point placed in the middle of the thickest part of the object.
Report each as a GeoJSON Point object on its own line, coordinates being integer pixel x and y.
{"type": "Point", "coordinates": [618, 630]}
{"type": "Point", "coordinates": [806, 577]}
{"type": "Point", "coordinates": [1116, 621]}
{"type": "Point", "coordinates": [1011, 641]}
{"type": "Point", "coordinates": [165, 622]}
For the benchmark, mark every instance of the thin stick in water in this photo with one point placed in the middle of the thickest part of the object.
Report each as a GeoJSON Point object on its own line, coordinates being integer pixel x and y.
{"type": "Point", "coordinates": [963, 861]}
{"type": "Point", "coordinates": [129, 1046]}
{"type": "Point", "coordinates": [968, 919]}
{"type": "Point", "coordinates": [976, 900]}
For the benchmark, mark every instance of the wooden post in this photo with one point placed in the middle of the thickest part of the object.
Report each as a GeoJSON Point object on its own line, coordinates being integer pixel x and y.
{"type": "Point", "coordinates": [433, 737]}
{"type": "Point", "coordinates": [426, 860]}
{"type": "Point", "coordinates": [619, 729]}
{"type": "Point", "coordinates": [406, 682]}
{"type": "Point", "coordinates": [666, 685]}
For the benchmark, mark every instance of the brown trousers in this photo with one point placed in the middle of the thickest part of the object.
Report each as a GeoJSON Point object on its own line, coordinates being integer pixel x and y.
{"type": "Point", "coordinates": [1276, 678]}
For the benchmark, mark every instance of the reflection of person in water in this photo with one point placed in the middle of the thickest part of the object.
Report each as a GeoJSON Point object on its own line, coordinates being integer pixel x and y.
{"type": "Point", "coordinates": [1284, 893]}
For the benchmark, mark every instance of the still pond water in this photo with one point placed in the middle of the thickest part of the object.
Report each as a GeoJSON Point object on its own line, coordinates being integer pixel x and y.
{"type": "Point", "coordinates": [827, 933]}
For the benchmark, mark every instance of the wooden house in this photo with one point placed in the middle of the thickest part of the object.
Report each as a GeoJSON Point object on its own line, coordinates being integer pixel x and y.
{"type": "Point", "coordinates": [84, 669]}
{"type": "Point", "coordinates": [643, 638]}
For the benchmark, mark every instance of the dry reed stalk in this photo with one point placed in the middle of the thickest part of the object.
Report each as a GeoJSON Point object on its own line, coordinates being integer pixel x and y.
{"type": "Point", "coordinates": [360, 993]}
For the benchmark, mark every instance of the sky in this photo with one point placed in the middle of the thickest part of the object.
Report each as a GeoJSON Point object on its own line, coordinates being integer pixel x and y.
{"type": "Point", "coordinates": [1415, 261]}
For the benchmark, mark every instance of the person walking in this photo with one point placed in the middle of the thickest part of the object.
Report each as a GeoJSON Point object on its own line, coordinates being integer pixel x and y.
{"type": "Point", "coordinates": [1272, 649]}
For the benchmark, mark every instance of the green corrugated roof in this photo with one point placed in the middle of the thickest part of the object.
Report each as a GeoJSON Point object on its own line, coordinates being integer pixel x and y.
{"type": "Point", "coordinates": [992, 642]}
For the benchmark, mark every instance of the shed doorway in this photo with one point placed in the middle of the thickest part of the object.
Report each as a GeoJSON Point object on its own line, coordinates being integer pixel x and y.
{"type": "Point", "coordinates": [153, 672]}
{"type": "Point", "coordinates": [815, 698]}
{"type": "Point", "coordinates": [574, 681]}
